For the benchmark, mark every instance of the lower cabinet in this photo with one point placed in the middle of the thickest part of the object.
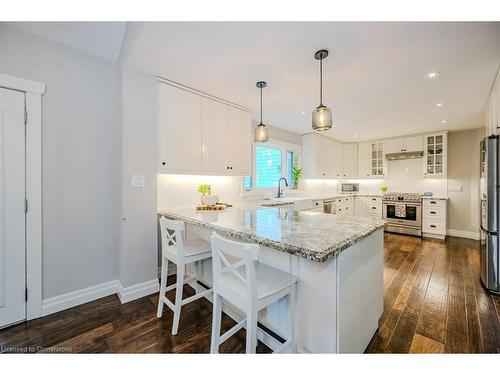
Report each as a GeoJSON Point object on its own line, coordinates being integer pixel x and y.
{"type": "Point", "coordinates": [368, 206]}
{"type": "Point", "coordinates": [434, 218]}
{"type": "Point", "coordinates": [344, 206]}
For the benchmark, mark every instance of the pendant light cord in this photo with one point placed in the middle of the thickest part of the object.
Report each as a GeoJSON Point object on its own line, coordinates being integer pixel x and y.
{"type": "Point", "coordinates": [261, 105]}
{"type": "Point", "coordinates": [321, 82]}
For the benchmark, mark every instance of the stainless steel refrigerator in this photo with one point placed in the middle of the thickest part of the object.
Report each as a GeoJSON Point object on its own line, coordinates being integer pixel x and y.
{"type": "Point", "coordinates": [489, 191]}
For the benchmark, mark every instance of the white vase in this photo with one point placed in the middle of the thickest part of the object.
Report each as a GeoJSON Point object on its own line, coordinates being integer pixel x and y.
{"type": "Point", "coordinates": [210, 200]}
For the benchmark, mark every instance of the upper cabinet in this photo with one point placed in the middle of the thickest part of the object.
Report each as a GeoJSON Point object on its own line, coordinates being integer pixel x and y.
{"type": "Point", "coordinates": [435, 155]}
{"type": "Point", "coordinates": [198, 134]}
{"type": "Point", "coordinates": [492, 113]}
{"type": "Point", "coordinates": [179, 132]}
{"type": "Point", "coordinates": [404, 144]}
{"type": "Point", "coordinates": [322, 157]}
{"type": "Point", "coordinates": [371, 160]}
{"type": "Point", "coordinates": [350, 159]}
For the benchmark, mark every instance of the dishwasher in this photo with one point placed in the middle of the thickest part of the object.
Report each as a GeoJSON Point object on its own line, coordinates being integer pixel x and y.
{"type": "Point", "coordinates": [329, 206]}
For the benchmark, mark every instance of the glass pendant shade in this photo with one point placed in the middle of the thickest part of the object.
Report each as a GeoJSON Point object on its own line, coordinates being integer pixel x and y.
{"type": "Point", "coordinates": [322, 118]}
{"type": "Point", "coordinates": [261, 133]}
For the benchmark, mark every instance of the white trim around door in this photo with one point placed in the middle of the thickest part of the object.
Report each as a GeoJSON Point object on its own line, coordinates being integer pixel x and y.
{"type": "Point", "coordinates": [33, 102]}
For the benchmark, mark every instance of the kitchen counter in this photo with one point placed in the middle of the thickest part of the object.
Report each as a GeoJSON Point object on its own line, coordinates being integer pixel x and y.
{"type": "Point", "coordinates": [436, 198]}
{"type": "Point", "coordinates": [338, 261]}
{"type": "Point", "coordinates": [311, 235]}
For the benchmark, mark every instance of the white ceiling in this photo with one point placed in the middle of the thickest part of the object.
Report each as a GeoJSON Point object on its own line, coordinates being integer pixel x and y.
{"type": "Point", "coordinates": [375, 76]}
{"type": "Point", "coordinates": [103, 39]}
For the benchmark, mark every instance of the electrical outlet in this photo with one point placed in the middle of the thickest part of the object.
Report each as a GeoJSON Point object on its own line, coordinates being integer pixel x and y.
{"type": "Point", "coordinates": [138, 181]}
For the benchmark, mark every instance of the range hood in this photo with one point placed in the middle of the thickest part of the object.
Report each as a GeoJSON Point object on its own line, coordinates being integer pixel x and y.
{"type": "Point", "coordinates": [405, 155]}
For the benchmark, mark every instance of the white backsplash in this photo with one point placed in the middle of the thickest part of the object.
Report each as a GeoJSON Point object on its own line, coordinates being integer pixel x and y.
{"type": "Point", "coordinates": [181, 190]}
{"type": "Point", "coordinates": [405, 176]}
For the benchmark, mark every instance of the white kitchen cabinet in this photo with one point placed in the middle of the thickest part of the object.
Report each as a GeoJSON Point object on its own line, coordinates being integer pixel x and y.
{"type": "Point", "coordinates": [336, 159]}
{"type": "Point", "coordinates": [239, 142]}
{"type": "Point", "coordinates": [364, 160]}
{"type": "Point", "coordinates": [201, 135]}
{"type": "Point", "coordinates": [321, 157]}
{"type": "Point", "coordinates": [404, 144]}
{"type": "Point", "coordinates": [215, 124]}
{"type": "Point", "coordinates": [371, 162]}
{"type": "Point", "coordinates": [434, 218]}
{"type": "Point", "coordinates": [350, 160]}
{"type": "Point", "coordinates": [492, 112]}
{"type": "Point", "coordinates": [368, 206]}
{"type": "Point", "coordinates": [412, 144]}
{"type": "Point", "coordinates": [435, 155]}
{"type": "Point", "coordinates": [179, 130]}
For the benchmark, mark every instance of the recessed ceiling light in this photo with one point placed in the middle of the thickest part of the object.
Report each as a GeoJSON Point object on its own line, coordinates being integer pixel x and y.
{"type": "Point", "coordinates": [303, 112]}
{"type": "Point", "coordinates": [433, 74]}
{"type": "Point", "coordinates": [439, 104]}
{"type": "Point", "coordinates": [443, 121]}
{"type": "Point", "coordinates": [355, 136]}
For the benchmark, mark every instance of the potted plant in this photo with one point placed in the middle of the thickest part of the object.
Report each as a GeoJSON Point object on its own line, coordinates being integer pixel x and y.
{"type": "Point", "coordinates": [206, 195]}
{"type": "Point", "coordinates": [383, 189]}
{"type": "Point", "coordinates": [296, 172]}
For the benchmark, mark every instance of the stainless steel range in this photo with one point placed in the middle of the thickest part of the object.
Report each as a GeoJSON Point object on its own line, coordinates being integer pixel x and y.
{"type": "Point", "coordinates": [403, 213]}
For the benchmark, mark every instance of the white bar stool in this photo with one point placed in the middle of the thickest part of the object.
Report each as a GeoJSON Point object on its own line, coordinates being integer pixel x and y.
{"type": "Point", "coordinates": [176, 250]}
{"type": "Point", "coordinates": [250, 286]}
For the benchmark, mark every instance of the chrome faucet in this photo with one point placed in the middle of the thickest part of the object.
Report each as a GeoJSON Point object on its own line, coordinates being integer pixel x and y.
{"type": "Point", "coordinates": [280, 191]}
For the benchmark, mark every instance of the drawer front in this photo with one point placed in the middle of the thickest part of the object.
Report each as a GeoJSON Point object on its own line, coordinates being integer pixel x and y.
{"type": "Point", "coordinates": [434, 203]}
{"type": "Point", "coordinates": [374, 200]}
{"type": "Point", "coordinates": [434, 226]}
{"type": "Point", "coordinates": [345, 210]}
{"type": "Point", "coordinates": [436, 213]}
{"type": "Point", "coordinates": [374, 214]}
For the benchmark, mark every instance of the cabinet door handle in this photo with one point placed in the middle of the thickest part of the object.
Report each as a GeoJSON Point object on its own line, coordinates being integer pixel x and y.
{"type": "Point", "coordinates": [163, 163]}
{"type": "Point", "coordinates": [433, 212]}
{"type": "Point", "coordinates": [433, 202]}
{"type": "Point", "coordinates": [432, 226]}
{"type": "Point", "coordinates": [374, 208]}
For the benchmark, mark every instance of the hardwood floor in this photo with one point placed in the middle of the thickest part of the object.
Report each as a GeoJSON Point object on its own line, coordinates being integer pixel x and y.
{"type": "Point", "coordinates": [433, 303]}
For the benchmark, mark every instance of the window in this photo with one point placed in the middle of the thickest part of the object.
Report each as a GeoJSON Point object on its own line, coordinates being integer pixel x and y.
{"type": "Point", "coordinates": [267, 167]}
{"type": "Point", "coordinates": [271, 162]}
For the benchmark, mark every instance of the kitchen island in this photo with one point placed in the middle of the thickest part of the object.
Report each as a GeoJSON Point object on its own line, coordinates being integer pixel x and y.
{"type": "Point", "coordinates": [337, 259]}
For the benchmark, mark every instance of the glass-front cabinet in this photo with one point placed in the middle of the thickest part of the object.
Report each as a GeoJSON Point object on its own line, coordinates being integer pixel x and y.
{"type": "Point", "coordinates": [435, 155]}
{"type": "Point", "coordinates": [377, 159]}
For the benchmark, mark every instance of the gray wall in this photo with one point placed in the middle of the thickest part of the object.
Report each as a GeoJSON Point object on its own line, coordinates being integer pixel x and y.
{"type": "Point", "coordinates": [463, 170]}
{"type": "Point", "coordinates": [138, 245]}
{"type": "Point", "coordinates": [81, 158]}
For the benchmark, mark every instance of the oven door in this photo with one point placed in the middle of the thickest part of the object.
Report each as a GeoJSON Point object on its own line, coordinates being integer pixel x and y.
{"type": "Point", "coordinates": [413, 216]}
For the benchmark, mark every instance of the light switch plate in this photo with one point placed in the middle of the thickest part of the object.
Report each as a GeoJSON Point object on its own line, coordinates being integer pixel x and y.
{"type": "Point", "coordinates": [137, 181]}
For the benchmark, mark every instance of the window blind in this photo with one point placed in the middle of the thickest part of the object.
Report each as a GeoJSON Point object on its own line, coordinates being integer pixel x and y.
{"type": "Point", "coordinates": [267, 167]}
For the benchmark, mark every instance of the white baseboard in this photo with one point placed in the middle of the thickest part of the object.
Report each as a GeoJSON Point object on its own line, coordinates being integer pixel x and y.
{"type": "Point", "coordinates": [463, 234]}
{"type": "Point", "coordinates": [79, 297]}
{"type": "Point", "coordinates": [137, 290]}
{"type": "Point", "coordinates": [68, 300]}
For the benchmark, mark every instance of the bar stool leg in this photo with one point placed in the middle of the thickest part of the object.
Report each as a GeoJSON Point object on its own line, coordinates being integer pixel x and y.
{"type": "Point", "coordinates": [178, 297]}
{"type": "Point", "coordinates": [251, 342]}
{"type": "Point", "coordinates": [163, 286]}
{"type": "Point", "coordinates": [216, 323]}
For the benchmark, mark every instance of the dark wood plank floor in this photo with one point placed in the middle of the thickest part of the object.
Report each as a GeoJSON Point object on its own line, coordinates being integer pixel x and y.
{"type": "Point", "coordinates": [433, 303]}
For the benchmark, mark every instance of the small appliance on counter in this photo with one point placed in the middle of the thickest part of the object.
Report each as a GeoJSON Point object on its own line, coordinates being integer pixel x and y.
{"type": "Point", "coordinates": [349, 188]}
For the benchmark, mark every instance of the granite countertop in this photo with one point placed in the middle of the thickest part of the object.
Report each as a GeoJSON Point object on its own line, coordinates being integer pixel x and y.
{"type": "Point", "coordinates": [311, 235]}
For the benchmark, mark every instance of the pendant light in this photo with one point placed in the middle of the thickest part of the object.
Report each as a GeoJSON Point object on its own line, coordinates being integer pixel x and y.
{"type": "Point", "coordinates": [322, 115]}
{"type": "Point", "coordinates": [261, 133]}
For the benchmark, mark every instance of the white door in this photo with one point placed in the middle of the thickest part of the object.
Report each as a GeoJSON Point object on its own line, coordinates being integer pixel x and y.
{"type": "Point", "coordinates": [12, 212]}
